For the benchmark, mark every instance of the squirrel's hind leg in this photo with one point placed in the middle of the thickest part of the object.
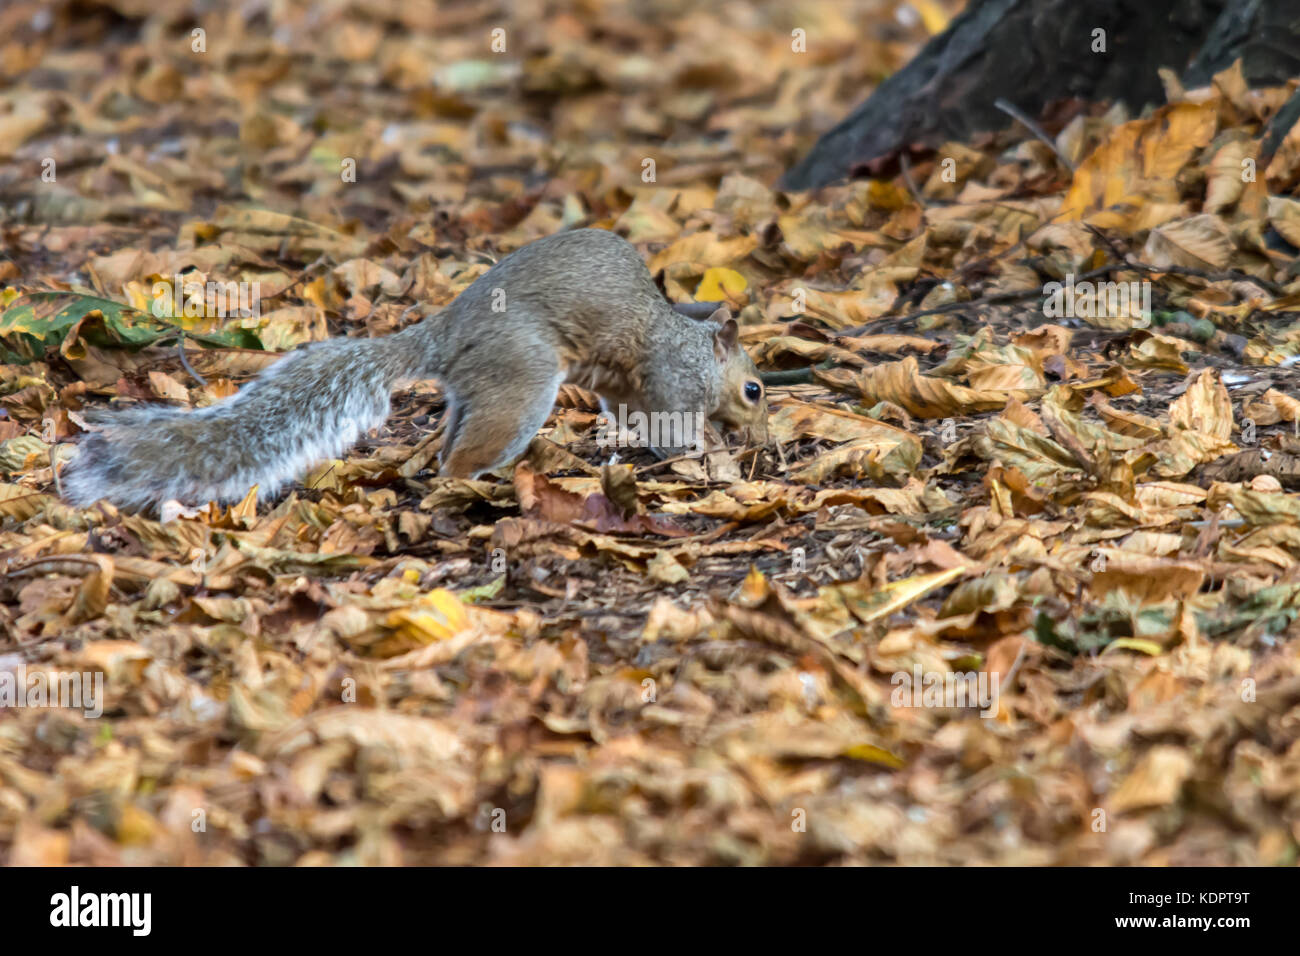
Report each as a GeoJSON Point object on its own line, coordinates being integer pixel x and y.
{"type": "Point", "coordinates": [491, 425]}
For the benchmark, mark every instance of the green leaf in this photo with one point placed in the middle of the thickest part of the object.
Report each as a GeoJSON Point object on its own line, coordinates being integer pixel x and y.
{"type": "Point", "coordinates": [484, 592]}
{"type": "Point", "coordinates": [1045, 632]}
{"type": "Point", "coordinates": [40, 321]}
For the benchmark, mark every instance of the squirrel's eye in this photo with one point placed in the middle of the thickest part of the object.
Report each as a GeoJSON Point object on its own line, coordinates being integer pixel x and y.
{"type": "Point", "coordinates": [753, 391]}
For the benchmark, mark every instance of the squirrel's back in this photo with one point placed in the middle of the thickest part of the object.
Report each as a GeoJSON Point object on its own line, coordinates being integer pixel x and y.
{"type": "Point", "coordinates": [587, 290]}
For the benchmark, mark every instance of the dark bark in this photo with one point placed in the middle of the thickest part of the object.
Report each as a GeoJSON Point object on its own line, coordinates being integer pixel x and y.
{"type": "Point", "coordinates": [1035, 53]}
{"type": "Point", "coordinates": [1281, 123]}
{"type": "Point", "coordinates": [1264, 33]}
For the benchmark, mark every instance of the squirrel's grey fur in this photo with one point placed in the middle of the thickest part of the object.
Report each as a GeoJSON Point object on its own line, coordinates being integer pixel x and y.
{"type": "Point", "coordinates": [577, 306]}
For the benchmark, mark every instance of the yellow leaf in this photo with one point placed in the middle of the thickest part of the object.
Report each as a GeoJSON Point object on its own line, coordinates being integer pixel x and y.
{"type": "Point", "coordinates": [921, 395]}
{"type": "Point", "coordinates": [1205, 407]}
{"type": "Point", "coordinates": [1155, 782]}
{"type": "Point", "coordinates": [21, 503]}
{"type": "Point", "coordinates": [436, 616]}
{"type": "Point", "coordinates": [1200, 242]}
{"type": "Point", "coordinates": [933, 16]}
{"type": "Point", "coordinates": [874, 754]}
{"type": "Point", "coordinates": [754, 590]}
{"type": "Point", "coordinates": [893, 597]}
{"type": "Point", "coordinates": [851, 307]}
{"type": "Point", "coordinates": [1139, 160]}
{"type": "Point", "coordinates": [1224, 183]}
{"type": "Point", "coordinates": [1136, 644]}
{"type": "Point", "coordinates": [720, 285]}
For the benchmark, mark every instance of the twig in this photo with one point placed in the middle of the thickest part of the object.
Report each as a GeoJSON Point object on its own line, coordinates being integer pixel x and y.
{"type": "Point", "coordinates": [906, 165]}
{"type": "Point", "coordinates": [1116, 250]}
{"type": "Point", "coordinates": [1018, 114]}
{"type": "Point", "coordinates": [1015, 666]}
{"type": "Point", "coordinates": [55, 559]}
{"type": "Point", "coordinates": [1138, 265]}
{"type": "Point", "coordinates": [668, 461]}
{"type": "Point", "coordinates": [180, 351]}
{"type": "Point", "coordinates": [328, 472]}
{"type": "Point", "coordinates": [302, 275]}
{"type": "Point", "coordinates": [994, 299]}
{"type": "Point", "coordinates": [793, 376]}
{"type": "Point", "coordinates": [54, 469]}
{"type": "Point", "coordinates": [1228, 275]}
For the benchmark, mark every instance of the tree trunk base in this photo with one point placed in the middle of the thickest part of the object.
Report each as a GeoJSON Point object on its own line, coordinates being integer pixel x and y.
{"type": "Point", "coordinates": [1034, 53]}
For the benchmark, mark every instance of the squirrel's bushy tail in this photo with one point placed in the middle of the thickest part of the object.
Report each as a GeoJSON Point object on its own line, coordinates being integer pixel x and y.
{"type": "Point", "coordinates": [312, 404]}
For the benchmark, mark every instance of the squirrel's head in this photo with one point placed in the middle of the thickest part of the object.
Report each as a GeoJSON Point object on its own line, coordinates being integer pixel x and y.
{"type": "Point", "coordinates": [742, 400]}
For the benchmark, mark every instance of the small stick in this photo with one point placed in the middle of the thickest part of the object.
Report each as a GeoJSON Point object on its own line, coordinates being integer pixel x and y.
{"type": "Point", "coordinates": [994, 299]}
{"type": "Point", "coordinates": [54, 467]}
{"type": "Point", "coordinates": [1018, 114]}
{"type": "Point", "coordinates": [180, 351]}
{"type": "Point", "coordinates": [793, 376]}
{"type": "Point", "coordinates": [1015, 666]}
{"type": "Point", "coordinates": [906, 165]}
{"type": "Point", "coordinates": [328, 472]}
{"type": "Point", "coordinates": [55, 559]}
{"type": "Point", "coordinates": [1227, 275]}
{"type": "Point", "coordinates": [306, 271]}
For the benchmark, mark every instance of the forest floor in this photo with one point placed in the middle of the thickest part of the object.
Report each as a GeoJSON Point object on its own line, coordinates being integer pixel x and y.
{"type": "Point", "coordinates": [1086, 519]}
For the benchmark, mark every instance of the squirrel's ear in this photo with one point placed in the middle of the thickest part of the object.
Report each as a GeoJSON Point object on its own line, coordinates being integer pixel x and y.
{"type": "Point", "coordinates": [724, 340]}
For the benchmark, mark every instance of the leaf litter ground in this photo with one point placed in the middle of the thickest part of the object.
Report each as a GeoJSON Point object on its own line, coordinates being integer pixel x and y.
{"type": "Point", "coordinates": [598, 658]}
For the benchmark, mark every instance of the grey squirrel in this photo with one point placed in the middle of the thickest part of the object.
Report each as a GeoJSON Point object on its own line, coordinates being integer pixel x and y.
{"type": "Point", "coordinates": [579, 307]}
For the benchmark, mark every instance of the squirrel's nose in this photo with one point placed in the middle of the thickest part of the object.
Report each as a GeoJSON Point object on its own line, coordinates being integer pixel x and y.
{"type": "Point", "coordinates": [757, 432]}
